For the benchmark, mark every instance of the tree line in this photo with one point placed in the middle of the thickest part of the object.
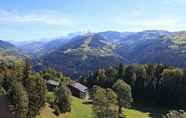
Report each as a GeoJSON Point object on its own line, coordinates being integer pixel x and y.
{"type": "Point", "coordinates": [25, 89]}
{"type": "Point", "coordinates": [151, 83]}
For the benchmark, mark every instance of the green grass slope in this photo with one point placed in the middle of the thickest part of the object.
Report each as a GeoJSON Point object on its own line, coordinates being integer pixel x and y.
{"type": "Point", "coordinates": [80, 110]}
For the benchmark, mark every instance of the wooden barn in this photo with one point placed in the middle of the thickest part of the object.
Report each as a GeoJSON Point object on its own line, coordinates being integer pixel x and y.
{"type": "Point", "coordinates": [79, 90]}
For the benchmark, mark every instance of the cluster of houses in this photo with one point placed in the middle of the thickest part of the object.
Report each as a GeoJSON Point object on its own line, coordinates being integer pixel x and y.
{"type": "Point", "coordinates": [77, 89]}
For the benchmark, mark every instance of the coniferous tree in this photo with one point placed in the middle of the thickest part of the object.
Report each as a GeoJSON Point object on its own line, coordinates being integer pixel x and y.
{"type": "Point", "coordinates": [27, 70]}
{"type": "Point", "coordinates": [36, 89]}
{"type": "Point", "coordinates": [19, 99]}
{"type": "Point", "coordinates": [130, 75]}
{"type": "Point", "coordinates": [120, 71]}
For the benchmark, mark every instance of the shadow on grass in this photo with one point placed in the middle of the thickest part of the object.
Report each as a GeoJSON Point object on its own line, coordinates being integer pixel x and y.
{"type": "Point", "coordinates": [154, 111]}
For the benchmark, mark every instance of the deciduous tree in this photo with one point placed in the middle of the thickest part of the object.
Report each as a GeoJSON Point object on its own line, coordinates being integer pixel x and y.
{"type": "Point", "coordinates": [123, 91]}
{"type": "Point", "coordinates": [64, 99]}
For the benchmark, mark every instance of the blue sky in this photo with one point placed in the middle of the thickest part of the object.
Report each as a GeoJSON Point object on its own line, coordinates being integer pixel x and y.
{"type": "Point", "coordinates": [44, 19]}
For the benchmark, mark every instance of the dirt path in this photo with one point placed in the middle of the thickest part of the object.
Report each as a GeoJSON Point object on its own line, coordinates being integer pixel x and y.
{"type": "Point", "coordinates": [4, 112]}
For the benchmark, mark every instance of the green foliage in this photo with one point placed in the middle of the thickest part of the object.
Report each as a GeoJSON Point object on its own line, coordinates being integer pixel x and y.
{"type": "Point", "coordinates": [103, 77]}
{"type": "Point", "coordinates": [64, 99]}
{"type": "Point", "coordinates": [23, 87]}
{"type": "Point", "coordinates": [11, 69]}
{"type": "Point", "coordinates": [104, 103]}
{"type": "Point", "coordinates": [50, 97]}
{"type": "Point", "coordinates": [130, 75]}
{"type": "Point", "coordinates": [36, 89]}
{"type": "Point", "coordinates": [124, 93]}
{"type": "Point", "coordinates": [121, 71]}
{"type": "Point", "coordinates": [19, 67]}
{"type": "Point", "coordinates": [27, 70]}
{"type": "Point", "coordinates": [155, 83]}
{"type": "Point", "coordinates": [168, 73]}
{"type": "Point", "coordinates": [52, 74]}
{"type": "Point", "coordinates": [173, 87]}
{"type": "Point", "coordinates": [19, 99]}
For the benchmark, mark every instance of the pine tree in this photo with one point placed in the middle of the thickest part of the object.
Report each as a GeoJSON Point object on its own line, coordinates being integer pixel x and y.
{"type": "Point", "coordinates": [19, 99]}
{"type": "Point", "coordinates": [36, 89]}
{"type": "Point", "coordinates": [121, 71]}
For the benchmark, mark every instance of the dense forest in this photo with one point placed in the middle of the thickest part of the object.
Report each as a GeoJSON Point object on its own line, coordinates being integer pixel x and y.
{"type": "Point", "coordinates": [157, 84]}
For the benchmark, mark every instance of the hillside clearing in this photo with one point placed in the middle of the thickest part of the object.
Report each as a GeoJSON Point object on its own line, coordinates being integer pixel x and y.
{"type": "Point", "coordinates": [80, 110]}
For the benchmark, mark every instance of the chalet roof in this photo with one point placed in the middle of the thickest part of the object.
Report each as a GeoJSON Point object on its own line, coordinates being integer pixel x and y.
{"type": "Point", "coordinates": [79, 86]}
{"type": "Point", "coordinates": [53, 82]}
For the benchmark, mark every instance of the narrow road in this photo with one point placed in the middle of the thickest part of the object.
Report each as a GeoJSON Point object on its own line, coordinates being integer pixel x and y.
{"type": "Point", "coordinates": [4, 111]}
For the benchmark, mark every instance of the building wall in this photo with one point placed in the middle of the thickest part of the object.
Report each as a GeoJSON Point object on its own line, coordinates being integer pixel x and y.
{"type": "Point", "coordinates": [77, 93]}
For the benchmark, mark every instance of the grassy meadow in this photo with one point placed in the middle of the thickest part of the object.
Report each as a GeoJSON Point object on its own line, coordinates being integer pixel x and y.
{"type": "Point", "coordinates": [80, 110]}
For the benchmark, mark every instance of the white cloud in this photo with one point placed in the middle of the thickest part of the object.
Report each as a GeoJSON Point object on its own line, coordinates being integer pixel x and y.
{"type": "Point", "coordinates": [165, 23]}
{"type": "Point", "coordinates": [49, 18]}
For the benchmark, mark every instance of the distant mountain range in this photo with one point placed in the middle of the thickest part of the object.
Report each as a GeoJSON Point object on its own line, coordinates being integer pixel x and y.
{"type": "Point", "coordinates": [6, 45]}
{"type": "Point", "coordinates": [8, 52]}
{"type": "Point", "coordinates": [84, 53]}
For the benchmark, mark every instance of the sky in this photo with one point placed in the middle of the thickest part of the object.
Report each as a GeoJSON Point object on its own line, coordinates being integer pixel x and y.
{"type": "Point", "coordinates": [34, 20]}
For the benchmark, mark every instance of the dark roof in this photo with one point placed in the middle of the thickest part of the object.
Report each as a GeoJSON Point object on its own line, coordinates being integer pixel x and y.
{"type": "Point", "coordinates": [53, 82]}
{"type": "Point", "coordinates": [79, 86]}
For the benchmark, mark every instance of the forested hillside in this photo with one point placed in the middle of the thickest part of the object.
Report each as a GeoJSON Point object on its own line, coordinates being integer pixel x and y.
{"type": "Point", "coordinates": [83, 54]}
